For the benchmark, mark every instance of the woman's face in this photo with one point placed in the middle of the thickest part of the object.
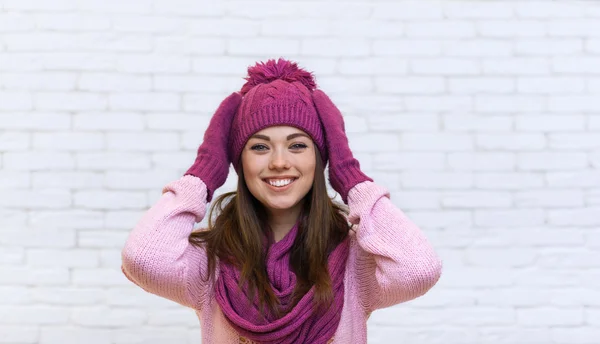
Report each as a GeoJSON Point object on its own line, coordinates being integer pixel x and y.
{"type": "Point", "coordinates": [279, 167]}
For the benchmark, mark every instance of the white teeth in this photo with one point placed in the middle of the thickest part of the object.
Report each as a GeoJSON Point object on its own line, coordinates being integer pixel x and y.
{"type": "Point", "coordinates": [280, 182]}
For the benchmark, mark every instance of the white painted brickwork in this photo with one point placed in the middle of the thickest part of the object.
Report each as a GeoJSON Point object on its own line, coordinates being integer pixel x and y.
{"type": "Point", "coordinates": [481, 117]}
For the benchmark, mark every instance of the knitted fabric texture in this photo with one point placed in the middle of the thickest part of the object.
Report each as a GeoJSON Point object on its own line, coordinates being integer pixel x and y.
{"type": "Point", "coordinates": [276, 93]}
{"type": "Point", "coordinates": [389, 260]}
{"type": "Point", "coordinates": [296, 326]}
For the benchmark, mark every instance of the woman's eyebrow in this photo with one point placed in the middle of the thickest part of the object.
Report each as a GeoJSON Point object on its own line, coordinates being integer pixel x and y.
{"type": "Point", "coordinates": [290, 137]}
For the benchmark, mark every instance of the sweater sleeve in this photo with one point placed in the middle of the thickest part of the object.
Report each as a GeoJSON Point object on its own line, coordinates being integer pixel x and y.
{"type": "Point", "coordinates": [157, 255]}
{"type": "Point", "coordinates": [395, 261]}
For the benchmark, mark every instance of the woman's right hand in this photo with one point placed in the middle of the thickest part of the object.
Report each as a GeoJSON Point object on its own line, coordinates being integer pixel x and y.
{"type": "Point", "coordinates": [212, 160]}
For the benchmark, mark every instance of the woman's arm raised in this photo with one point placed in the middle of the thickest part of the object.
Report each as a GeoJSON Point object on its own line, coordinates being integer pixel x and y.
{"type": "Point", "coordinates": [396, 262]}
{"type": "Point", "coordinates": [157, 255]}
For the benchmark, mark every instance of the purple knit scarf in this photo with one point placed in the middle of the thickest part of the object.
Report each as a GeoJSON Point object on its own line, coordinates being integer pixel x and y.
{"type": "Point", "coordinates": [297, 326]}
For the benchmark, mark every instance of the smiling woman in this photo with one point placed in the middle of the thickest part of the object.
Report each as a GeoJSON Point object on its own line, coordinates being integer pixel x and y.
{"type": "Point", "coordinates": [281, 262]}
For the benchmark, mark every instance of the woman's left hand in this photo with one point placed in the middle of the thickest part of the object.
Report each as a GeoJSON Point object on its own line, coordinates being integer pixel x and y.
{"type": "Point", "coordinates": [344, 169]}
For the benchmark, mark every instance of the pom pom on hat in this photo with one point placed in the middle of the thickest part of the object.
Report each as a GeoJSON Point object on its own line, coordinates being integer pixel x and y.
{"type": "Point", "coordinates": [266, 72]}
{"type": "Point", "coordinates": [276, 93]}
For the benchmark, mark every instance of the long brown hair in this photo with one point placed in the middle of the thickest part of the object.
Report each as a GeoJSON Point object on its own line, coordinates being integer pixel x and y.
{"type": "Point", "coordinates": [236, 236]}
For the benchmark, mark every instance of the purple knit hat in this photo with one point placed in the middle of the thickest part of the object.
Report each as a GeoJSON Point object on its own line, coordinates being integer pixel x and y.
{"type": "Point", "coordinates": [276, 93]}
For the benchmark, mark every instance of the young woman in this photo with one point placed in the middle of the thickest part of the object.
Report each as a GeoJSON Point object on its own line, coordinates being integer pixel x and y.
{"type": "Point", "coordinates": [280, 262]}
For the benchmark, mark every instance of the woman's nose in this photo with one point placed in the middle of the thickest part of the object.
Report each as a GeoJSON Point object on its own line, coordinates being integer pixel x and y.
{"type": "Point", "coordinates": [279, 160]}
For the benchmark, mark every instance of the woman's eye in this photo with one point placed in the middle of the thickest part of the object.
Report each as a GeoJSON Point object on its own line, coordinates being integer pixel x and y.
{"type": "Point", "coordinates": [258, 147]}
{"type": "Point", "coordinates": [299, 146]}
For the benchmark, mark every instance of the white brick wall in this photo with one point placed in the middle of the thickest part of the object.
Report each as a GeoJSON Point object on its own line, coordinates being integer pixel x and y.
{"type": "Point", "coordinates": [482, 118]}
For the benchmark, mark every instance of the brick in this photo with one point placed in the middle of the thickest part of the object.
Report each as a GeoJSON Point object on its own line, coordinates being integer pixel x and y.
{"type": "Point", "coordinates": [15, 101]}
{"type": "Point", "coordinates": [152, 64]}
{"type": "Point", "coordinates": [410, 85]}
{"type": "Point", "coordinates": [478, 10]}
{"type": "Point", "coordinates": [39, 237]}
{"type": "Point", "coordinates": [460, 85]}
{"type": "Point", "coordinates": [442, 219]}
{"type": "Point", "coordinates": [366, 28]}
{"type": "Point", "coordinates": [72, 180]}
{"type": "Point", "coordinates": [149, 24]}
{"type": "Point", "coordinates": [516, 66]}
{"type": "Point", "coordinates": [492, 161]}
{"type": "Point", "coordinates": [127, 121]}
{"type": "Point", "coordinates": [47, 81]}
{"type": "Point", "coordinates": [11, 141]}
{"type": "Point", "coordinates": [104, 316]}
{"type": "Point", "coordinates": [409, 161]}
{"type": "Point", "coordinates": [70, 258]}
{"type": "Point", "coordinates": [189, 8]}
{"type": "Point", "coordinates": [62, 296]}
{"type": "Point", "coordinates": [12, 256]}
{"type": "Point", "coordinates": [542, 161]}
{"type": "Point", "coordinates": [16, 22]}
{"type": "Point", "coordinates": [399, 122]}
{"type": "Point", "coordinates": [145, 101]}
{"type": "Point", "coordinates": [112, 160]}
{"type": "Point", "coordinates": [373, 66]}
{"type": "Point", "coordinates": [438, 103]}
{"type": "Point", "coordinates": [64, 141]}
{"type": "Point", "coordinates": [587, 216]}
{"type": "Point", "coordinates": [545, 316]}
{"type": "Point", "coordinates": [463, 123]}
{"type": "Point", "coordinates": [69, 219]}
{"type": "Point", "coordinates": [550, 47]}
{"type": "Point", "coordinates": [550, 123]}
{"type": "Point", "coordinates": [103, 199]}
{"type": "Point", "coordinates": [510, 142]}
{"type": "Point", "coordinates": [71, 22]}
{"type": "Point", "coordinates": [549, 198]}
{"type": "Point", "coordinates": [478, 48]}
{"type": "Point", "coordinates": [440, 29]}
{"type": "Point", "coordinates": [195, 46]}
{"type": "Point", "coordinates": [116, 6]}
{"type": "Point", "coordinates": [70, 101]}
{"type": "Point", "coordinates": [433, 180]}
{"type": "Point", "coordinates": [573, 103]}
{"type": "Point", "coordinates": [373, 142]}
{"type": "Point", "coordinates": [349, 85]}
{"type": "Point", "coordinates": [110, 82]}
{"type": "Point", "coordinates": [408, 10]}
{"type": "Point", "coordinates": [19, 334]}
{"type": "Point", "coordinates": [445, 66]}
{"type": "Point", "coordinates": [475, 199]}
{"type": "Point", "coordinates": [39, 121]}
{"type": "Point", "coordinates": [511, 28]}
{"type": "Point", "coordinates": [71, 334]}
{"type": "Point", "coordinates": [25, 276]}
{"type": "Point", "coordinates": [553, 85]}
{"type": "Point", "coordinates": [435, 142]}
{"type": "Point", "coordinates": [508, 180]}
{"type": "Point", "coordinates": [264, 46]}
{"type": "Point", "coordinates": [143, 142]}
{"type": "Point", "coordinates": [573, 27]}
{"type": "Point", "coordinates": [509, 217]}
{"type": "Point", "coordinates": [407, 47]}
{"type": "Point", "coordinates": [532, 9]}
{"type": "Point", "coordinates": [509, 103]}
{"type": "Point", "coordinates": [40, 198]}
{"type": "Point", "coordinates": [578, 142]}
{"type": "Point", "coordinates": [326, 47]}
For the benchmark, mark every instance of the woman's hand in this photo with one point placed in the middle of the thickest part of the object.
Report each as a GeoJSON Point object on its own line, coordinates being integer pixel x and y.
{"type": "Point", "coordinates": [344, 169]}
{"type": "Point", "coordinates": [212, 161]}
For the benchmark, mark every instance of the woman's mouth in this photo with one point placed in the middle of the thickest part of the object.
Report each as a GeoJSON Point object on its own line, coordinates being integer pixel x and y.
{"type": "Point", "coordinates": [280, 184]}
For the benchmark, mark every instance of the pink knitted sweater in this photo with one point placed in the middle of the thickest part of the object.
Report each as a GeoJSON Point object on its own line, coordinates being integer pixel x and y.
{"type": "Point", "coordinates": [390, 260]}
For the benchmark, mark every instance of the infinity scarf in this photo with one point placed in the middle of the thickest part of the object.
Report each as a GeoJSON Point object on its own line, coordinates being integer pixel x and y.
{"type": "Point", "coordinates": [299, 325]}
